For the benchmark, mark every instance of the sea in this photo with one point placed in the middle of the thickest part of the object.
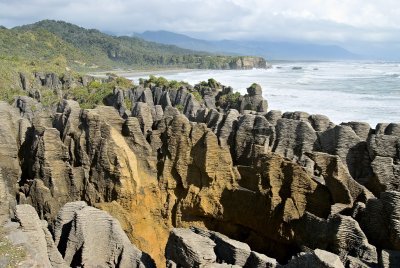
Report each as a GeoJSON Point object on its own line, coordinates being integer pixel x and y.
{"type": "Point", "coordinates": [344, 91]}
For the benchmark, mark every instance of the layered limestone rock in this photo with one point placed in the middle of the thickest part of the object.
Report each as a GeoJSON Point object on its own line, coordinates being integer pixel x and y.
{"type": "Point", "coordinates": [13, 131]}
{"type": "Point", "coordinates": [254, 100]}
{"type": "Point", "coordinates": [344, 142]}
{"type": "Point", "coordinates": [317, 258]}
{"type": "Point", "coordinates": [338, 234]}
{"type": "Point", "coordinates": [84, 237]}
{"type": "Point", "coordinates": [181, 157]}
{"type": "Point", "coordinates": [201, 248]}
{"type": "Point", "coordinates": [390, 258]}
{"type": "Point", "coordinates": [380, 220]}
{"type": "Point", "coordinates": [344, 190]}
{"type": "Point", "coordinates": [89, 237]}
{"type": "Point", "coordinates": [54, 183]}
{"type": "Point", "coordinates": [32, 235]}
{"type": "Point", "coordinates": [189, 250]}
{"type": "Point", "coordinates": [385, 154]}
{"type": "Point", "coordinates": [249, 63]}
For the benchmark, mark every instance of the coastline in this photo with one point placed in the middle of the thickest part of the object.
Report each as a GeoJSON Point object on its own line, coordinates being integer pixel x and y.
{"type": "Point", "coordinates": [130, 73]}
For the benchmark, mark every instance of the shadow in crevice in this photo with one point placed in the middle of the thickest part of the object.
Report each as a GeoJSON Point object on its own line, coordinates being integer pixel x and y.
{"type": "Point", "coordinates": [77, 259]}
{"type": "Point", "coordinates": [62, 244]}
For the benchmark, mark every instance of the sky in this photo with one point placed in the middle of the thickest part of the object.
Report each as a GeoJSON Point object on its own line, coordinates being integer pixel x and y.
{"type": "Point", "coordinates": [363, 26]}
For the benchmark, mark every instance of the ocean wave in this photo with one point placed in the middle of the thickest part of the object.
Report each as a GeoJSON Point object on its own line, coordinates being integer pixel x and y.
{"type": "Point", "coordinates": [304, 81]}
{"type": "Point", "coordinates": [392, 74]}
{"type": "Point", "coordinates": [334, 90]}
{"type": "Point", "coordinates": [281, 95]}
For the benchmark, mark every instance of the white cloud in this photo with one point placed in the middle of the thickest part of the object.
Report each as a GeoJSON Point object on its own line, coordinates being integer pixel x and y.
{"type": "Point", "coordinates": [310, 20]}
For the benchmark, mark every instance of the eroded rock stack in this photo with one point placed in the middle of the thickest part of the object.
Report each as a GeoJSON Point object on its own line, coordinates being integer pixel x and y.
{"type": "Point", "coordinates": [84, 237]}
{"type": "Point", "coordinates": [201, 156]}
{"type": "Point", "coordinates": [200, 248]}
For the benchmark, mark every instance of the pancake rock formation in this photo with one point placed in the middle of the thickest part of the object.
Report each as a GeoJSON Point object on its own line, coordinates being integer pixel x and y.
{"type": "Point", "coordinates": [194, 176]}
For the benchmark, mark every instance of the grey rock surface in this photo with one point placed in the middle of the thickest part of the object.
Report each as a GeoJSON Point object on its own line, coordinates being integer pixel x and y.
{"type": "Point", "coordinates": [318, 259]}
{"type": "Point", "coordinates": [346, 174]}
{"type": "Point", "coordinates": [293, 138]}
{"type": "Point", "coordinates": [260, 261]}
{"type": "Point", "coordinates": [320, 122]}
{"type": "Point", "coordinates": [188, 249]}
{"type": "Point", "coordinates": [390, 258]}
{"type": "Point", "coordinates": [35, 238]}
{"type": "Point", "coordinates": [344, 142]}
{"type": "Point", "coordinates": [254, 100]}
{"type": "Point", "coordinates": [339, 234]}
{"type": "Point", "coordinates": [227, 250]}
{"type": "Point", "coordinates": [90, 237]}
{"type": "Point", "coordinates": [362, 129]}
{"type": "Point", "coordinates": [197, 247]}
{"type": "Point", "coordinates": [142, 111]}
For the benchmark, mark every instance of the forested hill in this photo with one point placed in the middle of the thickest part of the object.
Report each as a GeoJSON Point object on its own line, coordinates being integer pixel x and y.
{"type": "Point", "coordinates": [91, 48]}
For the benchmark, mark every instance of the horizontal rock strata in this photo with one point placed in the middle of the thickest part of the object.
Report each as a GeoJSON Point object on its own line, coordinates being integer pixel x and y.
{"type": "Point", "coordinates": [277, 184]}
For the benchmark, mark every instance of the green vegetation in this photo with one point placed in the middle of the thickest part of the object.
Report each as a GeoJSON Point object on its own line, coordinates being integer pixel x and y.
{"type": "Point", "coordinates": [37, 45]}
{"type": "Point", "coordinates": [176, 84]}
{"type": "Point", "coordinates": [49, 98]}
{"type": "Point", "coordinates": [254, 86]}
{"type": "Point", "coordinates": [197, 95]}
{"type": "Point", "coordinates": [29, 52]}
{"type": "Point", "coordinates": [64, 48]}
{"type": "Point", "coordinates": [95, 92]}
{"type": "Point", "coordinates": [10, 94]}
{"type": "Point", "coordinates": [123, 82]}
{"type": "Point", "coordinates": [128, 104]}
{"type": "Point", "coordinates": [230, 100]}
{"type": "Point", "coordinates": [92, 95]}
{"type": "Point", "coordinates": [211, 82]}
{"type": "Point", "coordinates": [11, 66]}
{"type": "Point", "coordinates": [161, 82]}
{"type": "Point", "coordinates": [158, 81]}
{"type": "Point", "coordinates": [180, 107]}
{"type": "Point", "coordinates": [85, 49]}
{"type": "Point", "coordinates": [13, 254]}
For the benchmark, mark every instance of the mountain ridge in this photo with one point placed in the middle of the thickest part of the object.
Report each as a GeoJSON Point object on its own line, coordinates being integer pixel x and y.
{"type": "Point", "coordinates": [273, 50]}
{"type": "Point", "coordinates": [105, 51]}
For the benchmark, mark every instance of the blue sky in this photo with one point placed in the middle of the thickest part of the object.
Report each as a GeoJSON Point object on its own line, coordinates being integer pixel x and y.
{"type": "Point", "coordinates": [364, 26]}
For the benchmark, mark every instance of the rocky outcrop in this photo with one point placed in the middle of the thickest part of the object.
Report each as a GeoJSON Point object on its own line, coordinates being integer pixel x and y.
{"type": "Point", "coordinates": [12, 136]}
{"type": "Point", "coordinates": [294, 138]}
{"type": "Point", "coordinates": [228, 250]}
{"type": "Point", "coordinates": [248, 63]}
{"type": "Point", "coordinates": [390, 258]}
{"type": "Point", "coordinates": [87, 236]}
{"type": "Point", "coordinates": [201, 248]}
{"type": "Point", "coordinates": [317, 258]}
{"type": "Point", "coordinates": [161, 157]}
{"type": "Point", "coordinates": [254, 100]}
{"type": "Point", "coordinates": [344, 190]}
{"type": "Point", "coordinates": [52, 81]}
{"type": "Point", "coordinates": [32, 235]}
{"type": "Point", "coordinates": [380, 220]}
{"type": "Point", "coordinates": [344, 142]}
{"type": "Point", "coordinates": [84, 237]}
{"type": "Point", "coordinates": [253, 136]}
{"type": "Point", "coordinates": [384, 152]}
{"type": "Point", "coordinates": [187, 249]}
{"type": "Point", "coordinates": [338, 234]}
